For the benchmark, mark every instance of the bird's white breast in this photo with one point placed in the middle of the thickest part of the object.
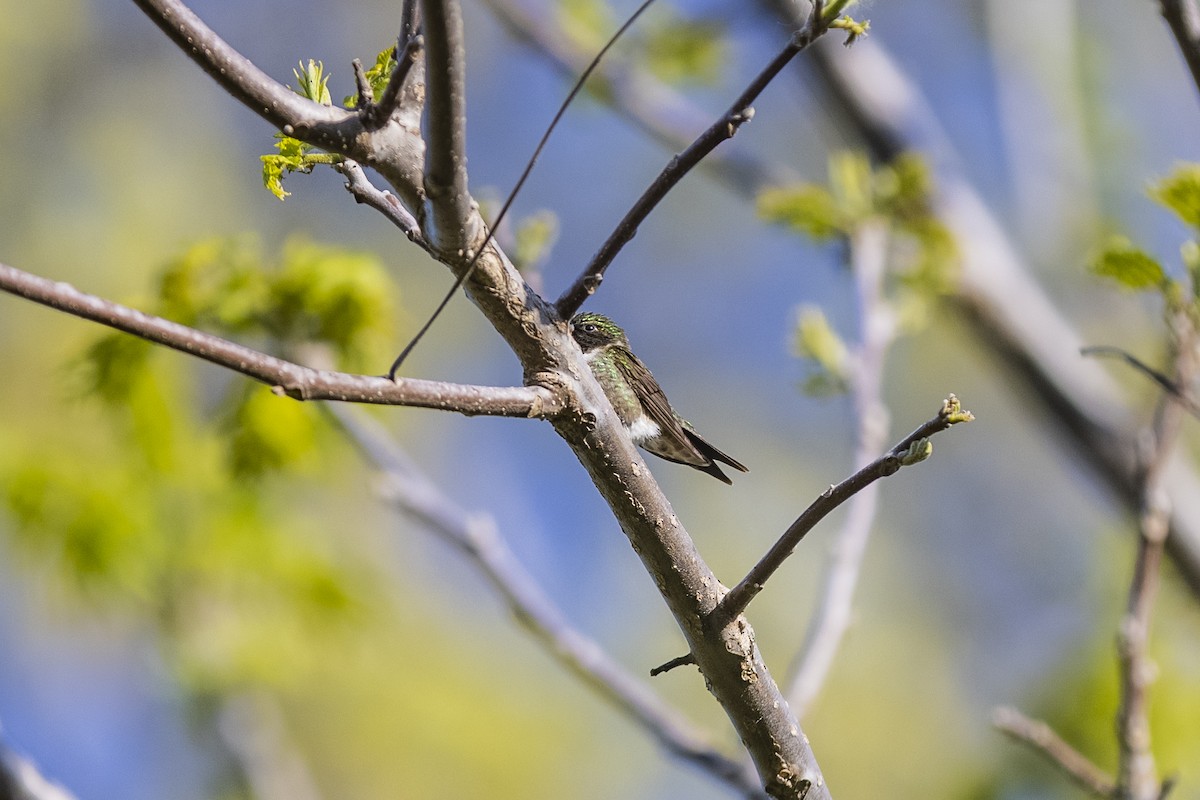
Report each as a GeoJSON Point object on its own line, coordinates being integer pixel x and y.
{"type": "Point", "coordinates": [643, 428]}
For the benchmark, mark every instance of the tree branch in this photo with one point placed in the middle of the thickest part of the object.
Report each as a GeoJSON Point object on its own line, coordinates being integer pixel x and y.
{"type": "Point", "coordinates": [1183, 17]}
{"type": "Point", "coordinates": [721, 130]}
{"type": "Point", "coordinates": [477, 538]}
{"type": "Point", "coordinates": [450, 210]}
{"type": "Point", "coordinates": [868, 245]}
{"type": "Point", "coordinates": [365, 192]}
{"type": "Point", "coordinates": [324, 126]}
{"type": "Point", "coordinates": [286, 378]}
{"type": "Point", "coordinates": [1137, 777]}
{"type": "Point", "coordinates": [913, 448]}
{"type": "Point", "coordinates": [374, 113]}
{"type": "Point", "coordinates": [1041, 738]}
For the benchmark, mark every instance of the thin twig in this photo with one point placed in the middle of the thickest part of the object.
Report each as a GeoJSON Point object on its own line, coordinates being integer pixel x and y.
{"type": "Point", "coordinates": [1137, 777]}
{"type": "Point", "coordinates": [287, 378]}
{"type": "Point", "coordinates": [1042, 739]}
{"type": "Point", "coordinates": [477, 537]}
{"type": "Point", "coordinates": [1169, 386]}
{"type": "Point", "coordinates": [723, 129]}
{"type": "Point", "coordinates": [375, 113]}
{"type": "Point", "coordinates": [911, 449]}
{"type": "Point", "coordinates": [1183, 17]}
{"type": "Point", "coordinates": [868, 246]}
{"type": "Point", "coordinates": [365, 192]}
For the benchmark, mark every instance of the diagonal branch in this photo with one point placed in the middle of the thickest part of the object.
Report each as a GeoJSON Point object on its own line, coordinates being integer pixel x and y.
{"type": "Point", "coordinates": [912, 449]}
{"type": "Point", "coordinates": [449, 205]}
{"type": "Point", "coordinates": [721, 130]}
{"type": "Point", "coordinates": [365, 192]}
{"type": "Point", "coordinates": [287, 378]}
{"type": "Point", "coordinates": [1041, 738]}
{"type": "Point", "coordinates": [324, 126]}
{"type": "Point", "coordinates": [1183, 17]}
{"type": "Point", "coordinates": [478, 539]}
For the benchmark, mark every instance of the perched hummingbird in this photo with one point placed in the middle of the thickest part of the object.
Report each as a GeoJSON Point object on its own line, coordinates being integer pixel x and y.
{"type": "Point", "coordinates": [639, 400]}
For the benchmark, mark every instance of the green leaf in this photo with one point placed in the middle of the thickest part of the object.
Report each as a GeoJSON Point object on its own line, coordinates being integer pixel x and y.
{"type": "Point", "coordinates": [292, 157]}
{"type": "Point", "coordinates": [688, 52]}
{"type": "Point", "coordinates": [314, 83]}
{"type": "Point", "coordinates": [378, 76]}
{"type": "Point", "coordinates": [1129, 266]}
{"type": "Point", "coordinates": [808, 208]}
{"type": "Point", "coordinates": [535, 236]}
{"type": "Point", "coordinates": [815, 340]}
{"type": "Point", "coordinates": [269, 433]}
{"type": "Point", "coordinates": [1180, 192]}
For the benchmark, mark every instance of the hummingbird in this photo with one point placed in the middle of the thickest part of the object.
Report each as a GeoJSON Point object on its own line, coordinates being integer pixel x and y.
{"type": "Point", "coordinates": [639, 401]}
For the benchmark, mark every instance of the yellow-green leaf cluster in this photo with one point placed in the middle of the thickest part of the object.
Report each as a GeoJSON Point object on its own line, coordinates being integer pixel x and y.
{"type": "Point", "coordinates": [815, 340]}
{"type": "Point", "coordinates": [1180, 192]}
{"type": "Point", "coordinates": [1128, 265]}
{"type": "Point", "coordinates": [377, 75]}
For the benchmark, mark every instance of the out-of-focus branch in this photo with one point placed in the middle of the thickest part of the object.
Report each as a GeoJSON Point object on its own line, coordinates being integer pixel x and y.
{"type": "Point", "coordinates": [255, 733]}
{"type": "Point", "coordinates": [724, 128]}
{"type": "Point", "coordinates": [1039, 737]}
{"type": "Point", "coordinates": [868, 246]}
{"type": "Point", "coordinates": [1183, 16]}
{"type": "Point", "coordinates": [20, 779]}
{"type": "Point", "coordinates": [1137, 777]}
{"type": "Point", "coordinates": [477, 538]}
{"type": "Point", "coordinates": [452, 221]}
{"type": "Point", "coordinates": [912, 449]}
{"type": "Point", "coordinates": [286, 378]}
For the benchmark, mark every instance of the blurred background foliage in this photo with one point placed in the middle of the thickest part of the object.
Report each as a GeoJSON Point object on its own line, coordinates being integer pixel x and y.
{"type": "Point", "coordinates": [179, 548]}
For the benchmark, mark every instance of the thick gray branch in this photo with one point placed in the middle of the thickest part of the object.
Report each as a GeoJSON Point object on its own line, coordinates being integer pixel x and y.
{"type": "Point", "coordinates": [293, 380]}
{"type": "Point", "coordinates": [451, 212]}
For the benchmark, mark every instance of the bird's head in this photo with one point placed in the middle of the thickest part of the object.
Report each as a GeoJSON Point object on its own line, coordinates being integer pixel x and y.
{"type": "Point", "coordinates": [592, 331]}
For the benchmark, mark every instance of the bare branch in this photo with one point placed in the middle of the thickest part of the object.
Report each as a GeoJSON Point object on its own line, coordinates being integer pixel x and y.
{"type": "Point", "coordinates": [477, 537]}
{"type": "Point", "coordinates": [721, 130]}
{"type": "Point", "coordinates": [1166, 384]}
{"type": "Point", "coordinates": [375, 114]}
{"type": "Point", "coordinates": [868, 246]}
{"type": "Point", "coordinates": [911, 449]}
{"type": "Point", "coordinates": [292, 380]}
{"type": "Point", "coordinates": [450, 210]}
{"type": "Point", "coordinates": [365, 192]}
{"type": "Point", "coordinates": [1183, 17]}
{"type": "Point", "coordinates": [324, 126]}
{"type": "Point", "coordinates": [1039, 737]}
{"type": "Point", "coordinates": [1137, 777]}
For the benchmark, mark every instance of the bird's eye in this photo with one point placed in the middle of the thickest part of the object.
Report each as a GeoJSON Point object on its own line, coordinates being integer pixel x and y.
{"type": "Point", "coordinates": [589, 327]}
